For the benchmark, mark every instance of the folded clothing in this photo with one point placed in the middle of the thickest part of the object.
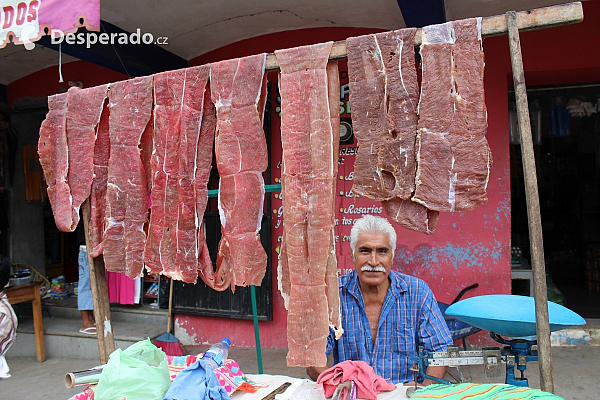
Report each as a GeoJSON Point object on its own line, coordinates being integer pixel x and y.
{"type": "Point", "coordinates": [484, 391]}
{"type": "Point", "coordinates": [368, 383]}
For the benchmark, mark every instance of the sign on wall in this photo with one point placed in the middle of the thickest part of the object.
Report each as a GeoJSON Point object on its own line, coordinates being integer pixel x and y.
{"type": "Point", "coordinates": [25, 22]}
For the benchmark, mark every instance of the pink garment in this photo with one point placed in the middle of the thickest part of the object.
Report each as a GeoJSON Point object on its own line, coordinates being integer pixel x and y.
{"type": "Point", "coordinates": [121, 289]}
{"type": "Point", "coordinates": [368, 383]}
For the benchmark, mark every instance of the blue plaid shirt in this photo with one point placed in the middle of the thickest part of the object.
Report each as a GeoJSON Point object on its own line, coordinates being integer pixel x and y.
{"type": "Point", "coordinates": [410, 317]}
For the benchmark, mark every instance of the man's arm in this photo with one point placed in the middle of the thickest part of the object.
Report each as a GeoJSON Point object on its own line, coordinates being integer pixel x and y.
{"type": "Point", "coordinates": [435, 371]}
{"type": "Point", "coordinates": [314, 372]}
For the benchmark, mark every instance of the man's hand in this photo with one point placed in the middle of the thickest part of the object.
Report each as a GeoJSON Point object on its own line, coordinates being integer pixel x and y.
{"type": "Point", "coordinates": [435, 371]}
{"type": "Point", "coordinates": [314, 372]}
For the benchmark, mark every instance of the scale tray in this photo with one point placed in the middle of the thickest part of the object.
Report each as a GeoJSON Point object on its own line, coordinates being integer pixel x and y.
{"type": "Point", "coordinates": [510, 315]}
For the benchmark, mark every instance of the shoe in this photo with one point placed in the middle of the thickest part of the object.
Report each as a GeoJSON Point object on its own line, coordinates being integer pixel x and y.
{"type": "Point", "coordinates": [89, 330]}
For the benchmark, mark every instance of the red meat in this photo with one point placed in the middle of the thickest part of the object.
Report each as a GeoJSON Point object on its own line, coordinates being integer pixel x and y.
{"type": "Point", "coordinates": [130, 105]}
{"type": "Point", "coordinates": [241, 154]}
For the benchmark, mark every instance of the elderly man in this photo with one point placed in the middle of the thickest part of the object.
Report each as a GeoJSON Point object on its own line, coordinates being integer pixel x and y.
{"type": "Point", "coordinates": [386, 315]}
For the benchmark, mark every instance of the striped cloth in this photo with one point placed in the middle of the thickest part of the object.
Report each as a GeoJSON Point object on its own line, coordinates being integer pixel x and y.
{"type": "Point", "coordinates": [410, 317]}
{"type": "Point", "coordinates": [8, 324]}
{"type": "Point", "coordinates": [486, 391]}
{"type": "Point", "coordinates": [230, 375]}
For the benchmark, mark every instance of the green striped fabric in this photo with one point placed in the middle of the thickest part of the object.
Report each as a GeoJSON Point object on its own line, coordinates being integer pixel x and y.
{"type": "Point", "coordinates": [486, 391]}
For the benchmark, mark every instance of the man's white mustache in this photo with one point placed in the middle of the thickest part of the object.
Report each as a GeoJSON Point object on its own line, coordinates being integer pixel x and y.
{"type": "Point", "coordinates": [368, 268]}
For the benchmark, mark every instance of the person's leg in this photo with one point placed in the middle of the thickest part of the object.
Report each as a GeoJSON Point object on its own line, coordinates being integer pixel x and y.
{"type": "Point", "coordinates": [84, 294]}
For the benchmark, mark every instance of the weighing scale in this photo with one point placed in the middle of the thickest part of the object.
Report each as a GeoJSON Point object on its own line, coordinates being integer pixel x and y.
{"type": "Point", "coordinates": [503, 316]}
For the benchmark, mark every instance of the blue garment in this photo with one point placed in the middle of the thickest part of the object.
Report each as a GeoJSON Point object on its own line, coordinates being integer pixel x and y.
{"type": "Point", "coordinates": [84, 291]}
{"type": "Point", "coordinates": [410, 317]}
{"type": "Point", "coordinates": [196, 382]}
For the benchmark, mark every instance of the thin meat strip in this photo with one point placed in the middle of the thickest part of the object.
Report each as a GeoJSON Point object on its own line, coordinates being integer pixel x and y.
{"type": "Point", "coordinates": [453, 155]}
{"type": "Point", "coordinates": [84, 108]}
{"type": "Point", "coordinates": [98, 192]}
{"type": "Point", "coordinates": [161, 247]}
{"type": "Point", "coordinates": [308, 187]}
{"type": "Point", "coordinates": [214, 279]}
{"type": "Point", "coordinates": [54, 158]}
{"type": "Point", "coordinates": [130, 104]}
{"type": "Point", "coordinates": [384, 94]}
{"type": "Point", "coordinates": [237, 90]}
{"type": "Point", "coordinates": [188, 223]}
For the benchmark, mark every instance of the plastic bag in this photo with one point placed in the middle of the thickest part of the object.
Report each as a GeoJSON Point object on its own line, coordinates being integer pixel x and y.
{"type": "Point", "coordinates": [139, 372]}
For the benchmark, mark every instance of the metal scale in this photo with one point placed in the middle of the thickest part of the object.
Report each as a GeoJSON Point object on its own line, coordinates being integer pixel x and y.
{"type": "Point", "coordinates": [506, 315]}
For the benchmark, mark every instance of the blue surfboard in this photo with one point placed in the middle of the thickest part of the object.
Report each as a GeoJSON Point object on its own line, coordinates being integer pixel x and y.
{"type": "Point", "coordinates": [510, 315]}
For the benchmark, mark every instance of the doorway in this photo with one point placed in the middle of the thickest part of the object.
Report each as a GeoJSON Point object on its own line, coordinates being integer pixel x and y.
{"type": "Point", "coordinates": [566, 134]}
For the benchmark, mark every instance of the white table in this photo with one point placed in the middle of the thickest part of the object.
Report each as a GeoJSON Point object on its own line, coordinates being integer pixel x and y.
{"type": "Point", "coordinates": [301, 389]}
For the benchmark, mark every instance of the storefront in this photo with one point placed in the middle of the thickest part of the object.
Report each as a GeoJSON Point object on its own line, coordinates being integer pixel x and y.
{"type": "Point", "coordinates": [467, 248]}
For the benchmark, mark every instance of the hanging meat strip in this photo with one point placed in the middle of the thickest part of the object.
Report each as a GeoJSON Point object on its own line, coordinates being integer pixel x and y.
{"type": "Point", "coordinates": [98, 192]}
{"type": "Point", "coordinates": [384, 94]}
{"type": "Point", "coordinates": [310, 136]}
{"type": "Point", "coordinates": [84, 108]}
{"type": "Point", "coordinates": [179, 157]}
{"type": "Point", "coordinates": [54, 158]}
{"type": "Point", "coordinates": [189, 220]}
{"type": "Point", "coordinates": [237, 90]}
{"type": "Point", "coordinates": [216, 280]}
{"type": "Point", "coordinates": [130, 104]}
{"type": "Point", "coordinates": [66, 149]}
{"type": "Point", "coordinates": [453, 154]}
{"type": "Point", "coordinates": [161, 247]}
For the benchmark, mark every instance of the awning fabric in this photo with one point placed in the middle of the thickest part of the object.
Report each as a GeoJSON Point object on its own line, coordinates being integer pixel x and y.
{"type": "Point", "coordinates": [25, 21]}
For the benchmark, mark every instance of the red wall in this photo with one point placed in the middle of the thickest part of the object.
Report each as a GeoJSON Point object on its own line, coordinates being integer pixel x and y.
{"type": "Point", "coordinates": [45, 82]}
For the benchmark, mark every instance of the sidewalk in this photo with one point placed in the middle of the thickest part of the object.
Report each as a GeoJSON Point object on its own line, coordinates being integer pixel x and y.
{"type": "Point", "coordinates": [575, 373]}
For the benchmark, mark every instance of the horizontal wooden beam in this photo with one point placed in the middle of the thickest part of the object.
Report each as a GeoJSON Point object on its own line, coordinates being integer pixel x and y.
{"type": "Point", "coordinates": [538, 18]}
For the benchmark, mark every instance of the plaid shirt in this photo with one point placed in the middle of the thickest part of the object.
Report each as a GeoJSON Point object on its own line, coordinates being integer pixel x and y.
{"type": "Point", "coordinates": [8, 324]}
{"type": "Point", "coordinates": [410, 317]}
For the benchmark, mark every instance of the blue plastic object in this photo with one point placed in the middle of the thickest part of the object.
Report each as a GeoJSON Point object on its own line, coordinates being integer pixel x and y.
{"type": "Point", "coordinates": [510, 315]}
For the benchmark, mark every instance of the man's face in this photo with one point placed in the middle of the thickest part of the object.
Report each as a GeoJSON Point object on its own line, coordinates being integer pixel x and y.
{"type": "Point", "coordinates": [372, 258]}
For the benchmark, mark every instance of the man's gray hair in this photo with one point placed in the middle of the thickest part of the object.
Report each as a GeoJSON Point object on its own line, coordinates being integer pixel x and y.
{"type": "Point", "coordinates": [372, 224]}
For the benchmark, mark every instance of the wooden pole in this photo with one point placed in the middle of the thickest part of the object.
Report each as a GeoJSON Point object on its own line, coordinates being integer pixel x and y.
{"type": "Point", "coordinates": [538, 18]}
{"type": "Point", "coordinates": [170, 313]}
{"type": "Point", "coordinates": [106, 340]}
{"type": "Point", "coordinates": [533, 207]}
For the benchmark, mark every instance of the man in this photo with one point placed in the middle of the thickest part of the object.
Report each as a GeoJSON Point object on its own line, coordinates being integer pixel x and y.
{"type": "Point", "coordinates": [84, 291]}
{"type": "Point", "coordinates": [386, 315]}
{"type": "Point", "coordinates": [8, 319]}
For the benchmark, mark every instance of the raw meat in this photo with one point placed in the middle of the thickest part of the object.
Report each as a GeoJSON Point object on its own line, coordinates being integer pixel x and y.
{"type": "Point", "coordinates": [241, 153]}
{"type": "Point", "coordinates": [331, 276]}
{"type": "Point", "coordinates": [452, 152]}
{"type": "Point", "coordinates": [188, 223]}
{"type": "Point", "coordinates": [161, 247]}
{"type": "Point", "coordinates": [98, 192]}
{"type": "Point", "coordinates": [54, 158]}
{"type": "Point", "coordinates": [384, 93]}
{"type": "Point", "coordinates": [84, 107]}
{"type": "Point", "coordinates": [411, 215]}
{"type": "Point", "coordinates": [216, 280]}
{"type": "Point", "coordinates": [310, 138]}
{"type": "Point", "coordinates": [130, 104]}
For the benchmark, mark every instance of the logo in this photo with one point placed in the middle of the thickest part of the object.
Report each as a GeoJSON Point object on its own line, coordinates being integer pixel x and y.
{"type": "Point", "coordinates": [91, 38]}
